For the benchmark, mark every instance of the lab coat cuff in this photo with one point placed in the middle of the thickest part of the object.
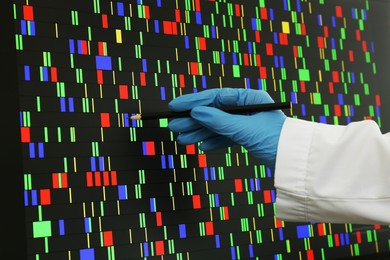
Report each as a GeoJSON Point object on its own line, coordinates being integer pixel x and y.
{"type": "Point", "coordinates": [291, 169]}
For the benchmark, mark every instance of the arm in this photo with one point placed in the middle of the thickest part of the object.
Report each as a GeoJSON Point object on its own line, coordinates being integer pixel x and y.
{"type": "Point", "coordinates": [336, 174]}
{"type": "Point", "coordinates": [324, 173]}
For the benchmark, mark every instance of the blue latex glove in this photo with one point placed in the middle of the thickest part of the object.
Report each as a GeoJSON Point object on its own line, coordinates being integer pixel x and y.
{"type": "Point", "coordinates": [258, 132]}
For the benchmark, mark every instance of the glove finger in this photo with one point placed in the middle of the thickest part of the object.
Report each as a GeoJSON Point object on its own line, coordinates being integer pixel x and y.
{"type": "Point", "coordinates": [188, 101]}
{"type": "Point", "coordinates": [239, 129]}
{"type": "Point", "coordinates": [220, 97]}
{"type": "Point", "coordinates": [215, 143]}
{"type": "Point", "coordinates": [192, 137]}
{"type": "Point", "coordinates": [216, 120]}
{"type": "Point", "coordinates": [240, 97]}
{"type": "Point", "coordinates": [183, 125]}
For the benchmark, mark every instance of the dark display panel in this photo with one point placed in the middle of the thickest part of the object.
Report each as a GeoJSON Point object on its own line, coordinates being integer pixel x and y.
{"type": "Point", "coordinates": [94, 184]}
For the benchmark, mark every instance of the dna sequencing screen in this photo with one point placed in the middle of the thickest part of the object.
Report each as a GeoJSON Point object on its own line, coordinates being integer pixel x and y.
{"type": "Point", "coordinates": [95, 184]}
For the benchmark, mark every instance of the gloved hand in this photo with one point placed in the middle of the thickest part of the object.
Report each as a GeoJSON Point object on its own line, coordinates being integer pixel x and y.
{"type": "Point", "coordinates": [257, 132]}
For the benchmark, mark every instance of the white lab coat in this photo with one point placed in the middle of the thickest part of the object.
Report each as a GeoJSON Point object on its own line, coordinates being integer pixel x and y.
{"type": "Point", "coordinates": [333, 174]}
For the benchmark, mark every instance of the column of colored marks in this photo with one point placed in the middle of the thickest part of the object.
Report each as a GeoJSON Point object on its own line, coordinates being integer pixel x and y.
{"type": "Point", "coordinates": [118, 188]}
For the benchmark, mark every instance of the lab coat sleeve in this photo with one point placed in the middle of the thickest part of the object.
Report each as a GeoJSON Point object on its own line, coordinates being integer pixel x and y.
{"type": "Point", "coordinates": [333, 174]}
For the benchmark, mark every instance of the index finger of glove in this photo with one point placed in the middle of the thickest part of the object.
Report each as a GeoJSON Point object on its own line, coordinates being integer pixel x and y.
{"type": "Point", "coordinates": [220, 97]}
{"type": "Point", "coordinates": [241, 97]}
{"type": "Point", "coordinates": [189, 101]}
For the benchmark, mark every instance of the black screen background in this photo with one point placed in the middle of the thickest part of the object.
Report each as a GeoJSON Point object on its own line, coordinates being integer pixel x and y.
{"type": "Point", "coordinates": [14, 226]}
